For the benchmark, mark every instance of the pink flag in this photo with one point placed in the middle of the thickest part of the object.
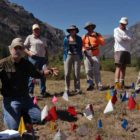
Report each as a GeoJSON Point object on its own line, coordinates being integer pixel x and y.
{"type": "Point", "coordinates": [54, 99]}
{"type": "Point", "coordinates": [35, 100]}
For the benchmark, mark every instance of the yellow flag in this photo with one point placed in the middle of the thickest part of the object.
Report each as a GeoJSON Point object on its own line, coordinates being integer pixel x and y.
{"type": "Point", "coordinates": [118, 85]}
{"type": "Point", "coordinates": [52, 126]}
{"type": "Point", "coordinates": [138, 106]}
{"type": "Point", "coordinates": [108, 96]}
{"type": "Point", "coordinates": [21, 128]}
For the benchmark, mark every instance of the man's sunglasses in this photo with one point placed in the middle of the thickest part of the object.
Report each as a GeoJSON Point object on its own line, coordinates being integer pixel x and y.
{"type": "Point", "coordinates": [18, 48]}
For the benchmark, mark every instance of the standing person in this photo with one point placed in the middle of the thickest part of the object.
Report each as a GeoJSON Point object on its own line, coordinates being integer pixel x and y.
{"type": "Point", "coordinates": [36, 49]}
{"type": "Point", "coordinates": [122, 56]}
{"type": "Point", "coordinates": [72, 57]}
{"type": "Point", "coordinates": [91, 42]}
{"type": "Point", "coordinates": [14, 74]}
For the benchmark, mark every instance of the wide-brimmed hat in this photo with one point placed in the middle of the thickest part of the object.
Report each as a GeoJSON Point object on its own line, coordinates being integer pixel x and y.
{"type": "Point", "coordinates": [35, 26]}
{"type": "Point", "coordinates": [89, 24]}
{"type": "Point", "coordinates": [72, 27]}
{"type": "Point", "coordinates": [124, 20]}
{"type": "Point", "coordinates": [16, 42]}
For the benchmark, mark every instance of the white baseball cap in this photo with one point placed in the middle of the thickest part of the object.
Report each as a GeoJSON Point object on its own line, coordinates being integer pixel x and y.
{"type": "Point", "coordinates": [16, 42]}
{"type": "Point", "coordinates": [124, 20]}
{"type": "Point", "coordinates": [35, 26]}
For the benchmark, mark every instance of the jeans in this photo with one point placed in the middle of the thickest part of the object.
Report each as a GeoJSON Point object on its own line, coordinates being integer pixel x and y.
{"type": "Point", "coordinates": [38, 62]}
{"type": "Point", "coordinates": [15, 107]}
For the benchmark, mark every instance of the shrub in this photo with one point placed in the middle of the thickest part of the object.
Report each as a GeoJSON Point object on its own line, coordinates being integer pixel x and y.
{"type": "Point", "coordinates": [107, 65]}
{"type": "Point", "coordinates": [137, 63]}
{"type": "Point", "coordinates": [133, 62]}
{"type": "Point", "coordinates": [57, 61]}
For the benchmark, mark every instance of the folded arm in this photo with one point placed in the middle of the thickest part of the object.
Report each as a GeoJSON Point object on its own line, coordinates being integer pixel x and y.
{"type": "Point", "coordinates": [120, 37]}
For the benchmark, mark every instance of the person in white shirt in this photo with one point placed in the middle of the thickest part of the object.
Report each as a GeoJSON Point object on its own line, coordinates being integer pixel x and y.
{"type": "Point", "coordinates": [122, 56]}
{"type": "Point", "coordinates": [36, 49]}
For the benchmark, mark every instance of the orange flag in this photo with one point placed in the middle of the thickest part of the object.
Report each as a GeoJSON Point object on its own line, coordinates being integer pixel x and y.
{"type": "Point", "coordinates": [118, 86]}
{"type": "Point", "coordinates": [138, 106]}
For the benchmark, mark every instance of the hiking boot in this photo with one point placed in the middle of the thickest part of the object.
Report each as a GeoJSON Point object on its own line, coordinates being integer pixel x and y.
{"type": "Point", "coordinates": [90, 88]}
{"type": "Point", "coordinates": [100, 88]}
{"type": "Point", "coordinates": [68, 92]}
{"type": "Point", "coordinates": [122, 85]}
{"type": "Point", "coordinates": [45, 94]}
{"type": "Point", "coordinates": [78, 91]}
{"type": "Point", "coordinates": [31, 95]}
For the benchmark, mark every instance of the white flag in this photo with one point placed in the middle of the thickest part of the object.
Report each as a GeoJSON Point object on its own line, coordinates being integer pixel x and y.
{"type": "Point", "coordinates": [88, 112]}
{"type": "Point", "coordinates": [65, 96]}
{"type": "Point", "coordinates": [44, 112]}
{"type": "Point", "coordinates": [109, 107]}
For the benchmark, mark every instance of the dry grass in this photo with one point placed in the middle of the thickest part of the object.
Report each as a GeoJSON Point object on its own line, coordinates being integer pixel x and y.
{"type": "Point", "coordinates": [111, 130]}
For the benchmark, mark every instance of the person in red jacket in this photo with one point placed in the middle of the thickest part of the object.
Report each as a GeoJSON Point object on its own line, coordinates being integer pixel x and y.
{"type": "Point", "coordinates": [91, 42]}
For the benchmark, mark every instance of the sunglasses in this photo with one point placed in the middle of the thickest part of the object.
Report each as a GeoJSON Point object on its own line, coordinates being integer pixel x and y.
{"type": "Point", "coordinates": [72, 30]}
{"type": "Point", "coordinates": [18, 48]}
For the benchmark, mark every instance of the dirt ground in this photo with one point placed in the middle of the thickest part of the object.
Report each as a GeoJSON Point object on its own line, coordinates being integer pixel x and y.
{"type": "Point", "coordinates": [111, 129]}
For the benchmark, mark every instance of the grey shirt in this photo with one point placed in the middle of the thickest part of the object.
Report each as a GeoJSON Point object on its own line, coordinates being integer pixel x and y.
{"type": "Point", "coordinates": [37, 46]}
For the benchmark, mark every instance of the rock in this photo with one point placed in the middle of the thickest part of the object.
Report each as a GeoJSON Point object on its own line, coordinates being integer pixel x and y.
{"type": "Point", "coordinates": [12, 17]}
{"type": "Point", "coordinates": [82, 130]}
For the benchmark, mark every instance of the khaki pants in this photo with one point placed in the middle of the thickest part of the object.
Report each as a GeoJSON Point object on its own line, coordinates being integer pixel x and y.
{"type": "Point", "coordinates": [75, 62]}
{"type": "Point", "coordinates": [92, 68]}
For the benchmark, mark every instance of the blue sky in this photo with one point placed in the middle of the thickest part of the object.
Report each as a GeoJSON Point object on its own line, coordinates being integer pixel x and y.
{"type": "Point", "coordinates": [104, 13]}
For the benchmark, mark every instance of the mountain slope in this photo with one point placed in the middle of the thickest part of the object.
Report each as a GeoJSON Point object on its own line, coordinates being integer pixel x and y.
{"type": "Point", "coordinates": [15, 21]}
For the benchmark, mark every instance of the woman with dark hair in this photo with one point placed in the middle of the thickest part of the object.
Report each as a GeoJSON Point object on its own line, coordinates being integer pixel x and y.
{"type": "Point", "coordinates": [72, 57]}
